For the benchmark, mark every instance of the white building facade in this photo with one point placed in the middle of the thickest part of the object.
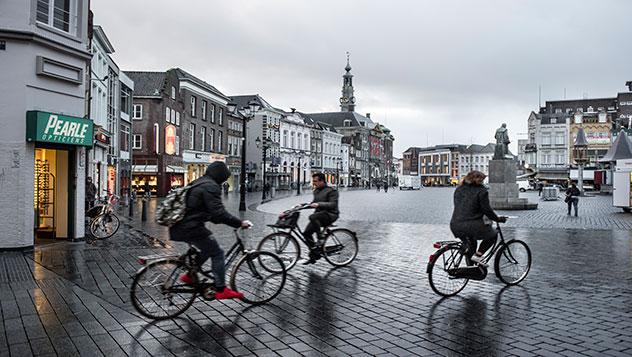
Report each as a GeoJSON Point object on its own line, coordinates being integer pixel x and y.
{"type": "Point", "coordinates": [295, 151]}
{"type": "Point", "coordinates": [44, 61]}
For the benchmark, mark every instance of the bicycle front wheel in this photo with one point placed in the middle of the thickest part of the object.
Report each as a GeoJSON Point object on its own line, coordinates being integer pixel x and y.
{"type": "Point", "coordinates": [513, 262]}
{"type": "Point", "coordinates": [260, 276]}
{"type": "Point", "coordinates": [158, 293]}
{"type": "Point", "coordinates": [284, 245]}
{"type": "Point", "coordinates": [340, 247]}
{"type": "Point", "coordinates": [104, 226]}
{"type": "Point", "coordinates": [441, 271]}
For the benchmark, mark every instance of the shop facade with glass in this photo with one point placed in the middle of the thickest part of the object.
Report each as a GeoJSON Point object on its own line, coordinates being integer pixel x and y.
{"type": "Point", "coordinates": [44, 134]}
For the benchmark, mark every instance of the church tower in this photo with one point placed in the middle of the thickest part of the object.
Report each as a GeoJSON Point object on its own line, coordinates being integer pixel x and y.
{"type": "Point", "coordinates": [347, 101]}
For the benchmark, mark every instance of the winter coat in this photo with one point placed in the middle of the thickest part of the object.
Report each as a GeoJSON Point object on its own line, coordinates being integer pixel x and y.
{"type": "Point", "coordinates": [204, 204]}
{"type": "Point", "coordinates": [327, 199]}
{"type": "Point", "coordinates": [471, 203]}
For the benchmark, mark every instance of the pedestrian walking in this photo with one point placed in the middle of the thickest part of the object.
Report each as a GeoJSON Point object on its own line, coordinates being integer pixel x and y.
{"type": "Point", "coordinates": [540, 187]}
{"type": "Point", "coordinates": [385, 187]}
{"type": "Point", "coordinates": [572, 198]}
{"type": "Point", "coordinates": [378, 185]}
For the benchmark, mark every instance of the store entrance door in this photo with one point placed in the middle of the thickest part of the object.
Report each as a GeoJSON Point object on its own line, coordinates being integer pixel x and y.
{"type": "Point", "coordinates": [51, 198]}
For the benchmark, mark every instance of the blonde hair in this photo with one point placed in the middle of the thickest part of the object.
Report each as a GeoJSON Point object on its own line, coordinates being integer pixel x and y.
{"type": "Point", "coordinates": [474, 178]}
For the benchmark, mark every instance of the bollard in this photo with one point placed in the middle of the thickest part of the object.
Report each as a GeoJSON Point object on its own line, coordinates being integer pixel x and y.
{"type": "Point", "coordinates": [143, 215]}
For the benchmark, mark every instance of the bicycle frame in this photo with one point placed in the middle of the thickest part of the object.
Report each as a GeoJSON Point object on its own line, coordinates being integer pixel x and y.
{"type": "Point", "coordinates": [463, 245]}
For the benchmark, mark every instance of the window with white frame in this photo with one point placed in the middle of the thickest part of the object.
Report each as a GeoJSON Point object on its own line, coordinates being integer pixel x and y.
{"type": "Point", "coordinates": [167, 114]}
{"type": "Point", "coordinates": [203, 110]}
{"type": "Point", "coordinates": [173, 116]}
{"type": "Point", "coordinates": [561, 158]}
{"type": "Point", "coordinates": [193, 105]}
{"type": "Point", "coordinates": [211, 139]}
{"type": "Point", "coordinates": [219, 140]}
{"type": "Point", "coordinates": [138, 112]}
{"type": "Point", "coordinates": [559, 138]}
{"type": "Point", "coordinates": [299, 141]}
{"type": "Point", "coordinates": [178, 118]}
{"type": "Point", "coordinates": [212, 113]}
{"type": "Point", "coordinates": [284, 138]}
{"type": "Point", "coordinates": [124, 137]}
{"type": "Point", "coordinates": [305, 142]}
{"type": "Point", "coordinates": [60, 14]}
{"type": "Point", "coordinates": [191, 136]}
{"type": "Point", "coordinates": [546, 138]}
{"type": "Point", "coordinates": [173, 92]}
{"type": "Point", "coordinates": [220, 114]}
{"type": "Point", "coordinates": [137, 144]}
{"type": "Point", "coordinates": [203, 137]}
{"type": "Point", "coordinates": [156, 138]}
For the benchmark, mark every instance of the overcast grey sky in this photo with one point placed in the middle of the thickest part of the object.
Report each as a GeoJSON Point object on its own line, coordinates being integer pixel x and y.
{"type": "Point", "coordinates": [433, 71]}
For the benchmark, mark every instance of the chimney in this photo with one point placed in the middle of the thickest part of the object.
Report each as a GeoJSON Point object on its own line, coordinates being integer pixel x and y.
{"type": "Point", "coordinates": [368, 115]}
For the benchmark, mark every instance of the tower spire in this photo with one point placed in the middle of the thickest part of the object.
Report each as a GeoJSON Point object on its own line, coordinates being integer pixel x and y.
{"type": "Point", "coordinates": [347, 100]}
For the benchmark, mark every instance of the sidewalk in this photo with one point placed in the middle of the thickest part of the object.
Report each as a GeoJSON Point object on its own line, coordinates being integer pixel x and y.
{"type": "Point", "coordinates": [73, 299]}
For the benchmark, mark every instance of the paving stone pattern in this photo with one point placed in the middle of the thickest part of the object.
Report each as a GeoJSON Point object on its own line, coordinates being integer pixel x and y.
{"type": "Point", "coordinates": [72, 299]}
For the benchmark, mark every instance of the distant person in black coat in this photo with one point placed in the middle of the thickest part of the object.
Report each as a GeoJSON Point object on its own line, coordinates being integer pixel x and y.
{"type": "Point", "coordinates": [572, 198]}
{"type": "Point", "coordinates": [471, 203]}
{"type": "Point", "coordinates": [204, 204]}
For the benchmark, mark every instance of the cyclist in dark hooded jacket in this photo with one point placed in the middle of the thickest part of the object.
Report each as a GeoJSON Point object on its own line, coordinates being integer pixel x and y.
{"type": "Point", "coordinates": [204, 204]}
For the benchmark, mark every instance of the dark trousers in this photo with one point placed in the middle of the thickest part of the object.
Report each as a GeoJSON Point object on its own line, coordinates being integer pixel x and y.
{"type": "Point", "coordinates": [317, 221]}
{"type": "Point", "coordinates": [473, 233]}
{"type": "Point", "coordinates": [572, 202]}
{"type": "Point", "coordinates": [209, 248]}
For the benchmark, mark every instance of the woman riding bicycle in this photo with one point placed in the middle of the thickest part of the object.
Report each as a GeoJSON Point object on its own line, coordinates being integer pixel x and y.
{"type": "Point", "coordinates": [471, 203]}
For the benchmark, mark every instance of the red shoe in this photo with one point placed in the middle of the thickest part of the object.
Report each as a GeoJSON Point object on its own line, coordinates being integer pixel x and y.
{"type": "Point", "coordinates": [187, 279]}
{"type": "Point", "coordinates": [229, 294]}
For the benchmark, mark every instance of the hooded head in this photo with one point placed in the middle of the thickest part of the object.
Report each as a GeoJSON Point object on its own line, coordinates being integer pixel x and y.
{"type": "Point", "coordinates": [218, 171]}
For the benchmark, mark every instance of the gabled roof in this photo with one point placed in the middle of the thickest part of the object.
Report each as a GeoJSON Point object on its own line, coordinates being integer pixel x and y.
{"type": "Point", "coordinates": [337, 119]}
{"type": "Point", "coordinates": [327, 127]}
{"type": "Point", "coordinates": [621, 149]}
{"type": "Point", "coordinates": [147, 83]}
{"type": "Point", "coordinates": [103, 39]}
{"type": "Point", "coordinates": [184, 75]}
{"type": "Point", "coordinates": [242, 101]}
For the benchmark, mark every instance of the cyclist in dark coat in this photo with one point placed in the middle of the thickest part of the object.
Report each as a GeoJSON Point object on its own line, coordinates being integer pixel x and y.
{"type": "Point", "coordinates": [326, 204]}
{"type": "Point", "coordinates": [204, 204]}
{"type": "Point", "coordinates": [471, 203]}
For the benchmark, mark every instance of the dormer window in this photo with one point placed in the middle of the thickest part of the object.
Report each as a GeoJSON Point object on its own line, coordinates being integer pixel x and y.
{"type": "Point", "coordinates": [347, 122]}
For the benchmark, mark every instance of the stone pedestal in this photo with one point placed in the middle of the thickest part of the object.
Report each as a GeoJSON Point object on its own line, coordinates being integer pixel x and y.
{"type": "Point", "coordinates": [503, 189]}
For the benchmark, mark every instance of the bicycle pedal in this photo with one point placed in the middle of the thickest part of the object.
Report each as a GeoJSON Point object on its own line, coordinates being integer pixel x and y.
{"type": "Point", "coordinates": [209, 294]}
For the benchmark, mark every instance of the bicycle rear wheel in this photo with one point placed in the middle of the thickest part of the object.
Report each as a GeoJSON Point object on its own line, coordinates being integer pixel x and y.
{"type": "Point", "coordinates": [157, 292]}
{"type": "Point", "coordinates": [260, 276]}
{"type": "Point", "coordinates": [513, 262]}
{"type": "Point", "coordinates": [104, 226]}
{"type": "Point", "coordinates": [340, 247]}
{"type": "Point", "coordinates": [444, 261]}
{"type": "Point", "coordinates": [284, 245]}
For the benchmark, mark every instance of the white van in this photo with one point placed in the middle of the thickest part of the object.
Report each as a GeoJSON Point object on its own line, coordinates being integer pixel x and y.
{"type": "Point", "coordinates": [407, 182]}
{"type": "Point", "coordinates": [524, 185]}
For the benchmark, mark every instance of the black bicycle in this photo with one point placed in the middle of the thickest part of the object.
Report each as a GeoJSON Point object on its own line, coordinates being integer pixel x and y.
{"type": "Point", "coordinates": [449, 268]}
{"type": "Point", "coordinates": [158, 293]}
{"type": "Point", "coordinates": [339, 248]}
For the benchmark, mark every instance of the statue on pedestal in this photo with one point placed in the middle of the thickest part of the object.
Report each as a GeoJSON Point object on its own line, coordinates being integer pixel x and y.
{"type": "Point", "coordinates": [501, 152]}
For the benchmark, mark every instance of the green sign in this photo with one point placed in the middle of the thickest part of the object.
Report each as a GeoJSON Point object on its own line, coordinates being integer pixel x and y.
{"type": "Point", "coordinates": [60, 129]}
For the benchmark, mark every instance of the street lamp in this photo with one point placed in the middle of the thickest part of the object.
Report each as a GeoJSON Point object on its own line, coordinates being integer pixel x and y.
{"type": "Point", "coordinates": [248, 113]}
{"type": "Point", "coordinates": [338, 163]}
{"type": "Point", "coordinates": [299, 168]}
{"type": "Point", "coordinates": [264, 147]}
{"type": "Point", "coordinates": [580, 153]}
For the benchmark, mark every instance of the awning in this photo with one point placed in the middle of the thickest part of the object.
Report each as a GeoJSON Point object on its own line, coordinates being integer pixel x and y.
{"type": "Point", "coordinates": [552, 175]}
{"type": "Point", "coordinates": [176, 169]}
{"type": "Point", "coordinates": [145, 168]}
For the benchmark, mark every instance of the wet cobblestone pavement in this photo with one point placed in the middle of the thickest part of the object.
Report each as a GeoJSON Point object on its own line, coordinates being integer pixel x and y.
{"type": "Point", "coordinates": [73, 298]}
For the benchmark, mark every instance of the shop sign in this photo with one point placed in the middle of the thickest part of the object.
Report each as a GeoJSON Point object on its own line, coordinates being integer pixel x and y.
{"type": "Point", "coordinates": [102, 138]}
{"type": "Point", "coordinates": [598, 138]}
{"type": "Point", "coordinates": [59, 129]}
{"type": "Point", "coordinates": [170, 139]}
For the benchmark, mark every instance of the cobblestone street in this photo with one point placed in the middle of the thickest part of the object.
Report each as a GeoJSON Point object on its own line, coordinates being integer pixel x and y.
{"type": "Point", "coordinates": [73, 298]}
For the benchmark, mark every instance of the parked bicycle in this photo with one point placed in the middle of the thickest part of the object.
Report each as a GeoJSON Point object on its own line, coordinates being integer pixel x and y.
{"type": "Point", "coordinates": [157, 292]}
{"type": "Point", "coordinates": [339, 248]}
{"type": "Point", "coordinates": [103, 221]}
{"type": "Point", "coordinates": [449, 269]}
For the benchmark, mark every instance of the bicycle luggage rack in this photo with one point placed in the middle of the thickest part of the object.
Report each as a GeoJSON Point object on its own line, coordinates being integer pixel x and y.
{"type": "Point", "coordinates": [443, 243]}
{"type": "Point", "coordinates": [144, 259]}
